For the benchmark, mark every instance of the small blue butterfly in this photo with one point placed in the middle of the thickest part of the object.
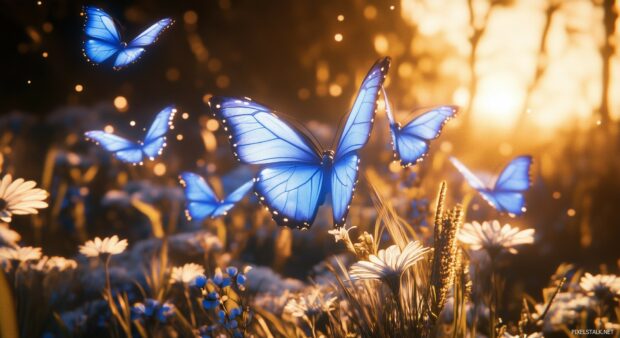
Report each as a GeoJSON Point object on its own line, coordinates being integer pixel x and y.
{"type": "Point", "coordinates": [411, 142]}
{"type": "Point", "coordinates": [202, 202]}
{"type": "Point", "coordinates": [104, 41]}
{"type": "Point", "coordinates": [298, 173]}
{"type": "Point", "coordinates": [134, 152]}
{"type": "Point", "coordinates": [506, 195]}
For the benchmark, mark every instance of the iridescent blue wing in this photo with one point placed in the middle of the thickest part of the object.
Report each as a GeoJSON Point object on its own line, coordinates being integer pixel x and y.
{"type": "Point", "coordinates": [511, 183]}
{"type": "Point", "coordinates": [123, 149]}
{"type": "Point", "coordinates": [102, 37]}
{"type": "Point", "coordinates": [155, 139]}
{"type": "Point", "coordinates": [99, 25]}
{"type": "Point", "coordinates": [470, 177]}
{"type": "Point", "coordinates": [258, 136]}
{"type": "Point", "coordinates": [358, 125]}
{"type": "Point", "coordinates": [127, 56]}
{"type": "Point", "coordinates": [202, 201]}
{"type": "Point", "coordinates": [413, 139]}
{"type": "Point", "coordinates": [343, 179]}
{"type": "Point", "coordinates": [292, 192]}
{"type": "Point", "coordinates": [151, 34]}
{"type": "Point", "coordinates": [233, 198]}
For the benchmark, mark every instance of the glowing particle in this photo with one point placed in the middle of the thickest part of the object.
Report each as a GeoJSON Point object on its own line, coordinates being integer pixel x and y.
{"type": "Point", "coordinates": [405, 69]}
{"type": "Point", "coordinates": [120, 103]}
{"type": "Point", "coordinates": [370, 12]}
{"type": "Point", "coordinates": [45, 55]}
{"type": "Point", "coordinates": [461, 96]}
{"type": "Point", "coordinates": [79, 88]}
{"type": "Point", "coordinates": [395, 167]}
{"type": "Point", "coordinates": [132, 123]}
{"type": "Point", "coordinates": [599, 122]}
{"type": "Point", "coordinates": [381, 44]}
{"type": "Point", "coordinates": [212, 125]}
{"type": "Point", "coordinates": [108, 129]}
{"type": "Point", "coordinates": [392, 7]}
{"type": "Point", "coordinates": [185, 116]}
{"type": "Point", "coordinates": [159, 169]}
{"type": "Point", "coordinates": [335, 90]}
{"type": "Point", "coordinates": [206, 97]}
{"type": "Point", "coordinates": [338, 37]}
{"type": "Point", "coordinates": [39, 3]}
{"type": "Point", "coordinates": [28, 82]}
{"type": "Point", "coordinates": [180, 137]}
{"type": "Point", "coordinates": [303, 93]}
{"type": "Point", "coordinates": [340, 18]}
{"type": "Point", "coordinates": [190, 17]}
{"type": "Point", "coordinates": [571, 212]}
{"type": "Point", "coordinates": [556, 195]}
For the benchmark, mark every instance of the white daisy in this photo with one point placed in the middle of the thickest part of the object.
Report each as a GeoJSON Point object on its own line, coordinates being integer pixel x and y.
{"type": "Point", "coordinates": [600, 286]}
{"type": "Point", "coordinates": [186, 274]}
{"type": "Point", "coordinates": [109, 245]}
{"type": "Point", "coordinates": [494, 238]}
{"type": "Point", "coordinates": [55, 263]}
{"type": "Point", "coordinates": [8, 236]}
{"type": "Point", "coordinates": [389, 264]}
{"type": "Point", "coordinates": [19, 197]}
{"type": "Point", "coordinates": [311, 303]}
{"type": "Point", "coordinates": [20, 254]}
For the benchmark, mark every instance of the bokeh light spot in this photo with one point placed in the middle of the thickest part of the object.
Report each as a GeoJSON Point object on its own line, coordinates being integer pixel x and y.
{"type": "Point", "coordinates": [121, 104]}
{"type": "Point", "coordinates": [79, 88]}
{"type": "Point", "coordinates": [159, 169]}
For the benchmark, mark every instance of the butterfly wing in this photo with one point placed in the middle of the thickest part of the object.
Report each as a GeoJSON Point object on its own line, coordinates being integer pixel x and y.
{"type": "Point", "coordinates": [292, 192]}
{"type": "Point", "coordinates": [103, 39]}
{"type": "Point", "coordinates": [470, 177]}
{"type": "Point", "coordinates": [155, 139]}
{"type": "Point", "coordinates": [123, 149]}
{"type": "Point", "coordinates": [343, 179]}
{"type": "Point", "coordinates": [258, 136]}
{"type": "Point", "coordinates": [358, 125]}
{"type": "Point", "coordinates": [151, 34]}
{"type": "Point", "coordinates": [202, 202]}
{"type": "Point", "coordinates": [413, 139]}
{"type": "Point", "coordinates": [233, 198]}
{"type": "Point", "coordinates": [511, 183]}
{"type": "Point", "coordinates": [127, 56]}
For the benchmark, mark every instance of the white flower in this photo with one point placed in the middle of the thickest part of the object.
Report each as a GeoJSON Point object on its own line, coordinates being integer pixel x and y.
{"type": "Point", "coordinates": [388, 265]}
{"type": "Point", "coordinates": [311, 303]}
{"type": "Point", "coordinates": [493, 238]}
{"type": "Point", "coordinates": [8, 236]}
{"type": "Point", "coordinates": [21, 254]}
{"type": "Point", "coordinates": [186, 274]}
{"type": "Point", "coordinates": [566, 309]}
{"type": "Point", "coordinates": [108, 245]}
{"type": "Point", "coordinates": [341, 233]}
{"type": "Point", "coordinates": [19, 198]}
{"type": "Point", "coordinates": [600, 286]}
{"type": "Point", "coordinates": [47, 264]}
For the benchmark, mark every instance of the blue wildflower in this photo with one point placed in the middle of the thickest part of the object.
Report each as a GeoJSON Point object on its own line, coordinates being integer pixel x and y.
{"type": "Point", "coordinates": [234, 312]}
{"type": "Point", "coordinates": [137, 311]}
{"type": "Point", "coordinates": [165, 311]}
{"type": "Point", "coordinates": [199, 281]}
{"type": "Point", "coordinates": [222, 316]}
{"type": "Point", "coordinates": [232, 271]}
{"type": "Point", "coordinates": [220, 280]}
{"type": "Point", "coordinates": [241, 279]}
{"type": "Point", "coordinates": [232, 324]}
{"type": "Point", "coordinates": [211, 300]}
{"type": "Point", "coordinates": [150, 306]}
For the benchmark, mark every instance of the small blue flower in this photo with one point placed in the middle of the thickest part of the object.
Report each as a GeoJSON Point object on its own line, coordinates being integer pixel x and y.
{"type": "Point", "coordinates": [241, 279]}
{"type": "Point", "coordinates": [165, 311]}
{"type": "Point", "coordinates": [199, 281]}
{"type": "Point", "coordinates": [220, 280]}
{"type": "Point", "coordinates": [234, 312]}
{"type": "Point", "coordinates": [137, 311]}
{"type": "Point", "coordinates": [232, 271]}
{"type": "Point", "coordinates": [222, 316]}
{"type": "Point", "coordinates": [232, 324]}
{"type": "Point", "coordinates": [211, 300]}
{"type": "Point", "coordinates": [150, 306]}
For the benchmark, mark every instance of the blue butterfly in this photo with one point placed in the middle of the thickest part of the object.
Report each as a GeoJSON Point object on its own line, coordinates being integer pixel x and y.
{"type": "Point", "coordinates": [297, 173]}
{"type": "Point", "coordinates": [202, 202]}
{"type": "Point", "coordinates": [104, 41]}
{"type": "Point", "coordinates": [506, 195]}
{"type": "Point", "coordinates": [411, 142]}
{"type": "Point", "coordinates": [134, 152]}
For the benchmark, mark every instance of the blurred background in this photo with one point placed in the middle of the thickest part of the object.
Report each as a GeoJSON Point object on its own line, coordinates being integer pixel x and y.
{"type": "Point", "coordinates": [537, 77]}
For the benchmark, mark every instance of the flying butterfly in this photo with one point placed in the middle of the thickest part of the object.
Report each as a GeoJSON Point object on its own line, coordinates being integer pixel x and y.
{"type": "Point", "coordinates": [134, 152]}
{"type": "Point", "coordinates": [103, 40]}
{"type": "Point", "coordinates": [506, 194]}
{"type": "Point", "coordinates": [202, 202]}
{"type": "Point", "coordinates": [297, 173]}
{"type": "Point", "coordinates": [411, 142]}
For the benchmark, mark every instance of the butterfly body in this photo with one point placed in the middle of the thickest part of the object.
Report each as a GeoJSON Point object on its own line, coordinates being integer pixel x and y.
{"type": "Point", "coordinates": [134, 152]}
{"type": "Point", "coordinates": [202, 202]}
{"type": "Point", "coordinates": [103, 41]}
{"type": "Point", "coordinates": [507, 193]}
{"type": "Point", "coordinates": [411, 141]}
{"type": "Point", "coordinates": [297, 175]}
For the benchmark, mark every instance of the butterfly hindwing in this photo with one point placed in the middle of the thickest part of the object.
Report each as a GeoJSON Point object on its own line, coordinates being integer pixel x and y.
{"type": "Point", "coordinates": [98, 51]}
{"type": "Point", "coordinates": [356, 131]}
{"type": "Point", "coordinates": [123, 149]}
{"type": "Point", "coordinates": [201, 199]}
{"type": "Point", "coordinates": [258, 136]}
{"type": "Point", "coordinates": [155, 139]}
{"type": "Point", "coordinates": [292, 192]}
{"type": "Point", "coordinates": [515, 176]}
{"type": "Point", "coordinates": [343, 179]}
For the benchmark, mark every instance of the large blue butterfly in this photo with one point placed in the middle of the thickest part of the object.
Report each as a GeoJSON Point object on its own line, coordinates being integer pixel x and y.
{"type": "Point", "coordinates": [411, 142]}
{"type": "Point", "coordinates": [506, 195]}
{"type": "Point", "coordinates": [202, 202]}
{"type": "Point", "coordinates": [104, 41]}
{"type": "Point", "coordinates": [297, 173]}
{"type": "Point", "coordinates": [134, 152]}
